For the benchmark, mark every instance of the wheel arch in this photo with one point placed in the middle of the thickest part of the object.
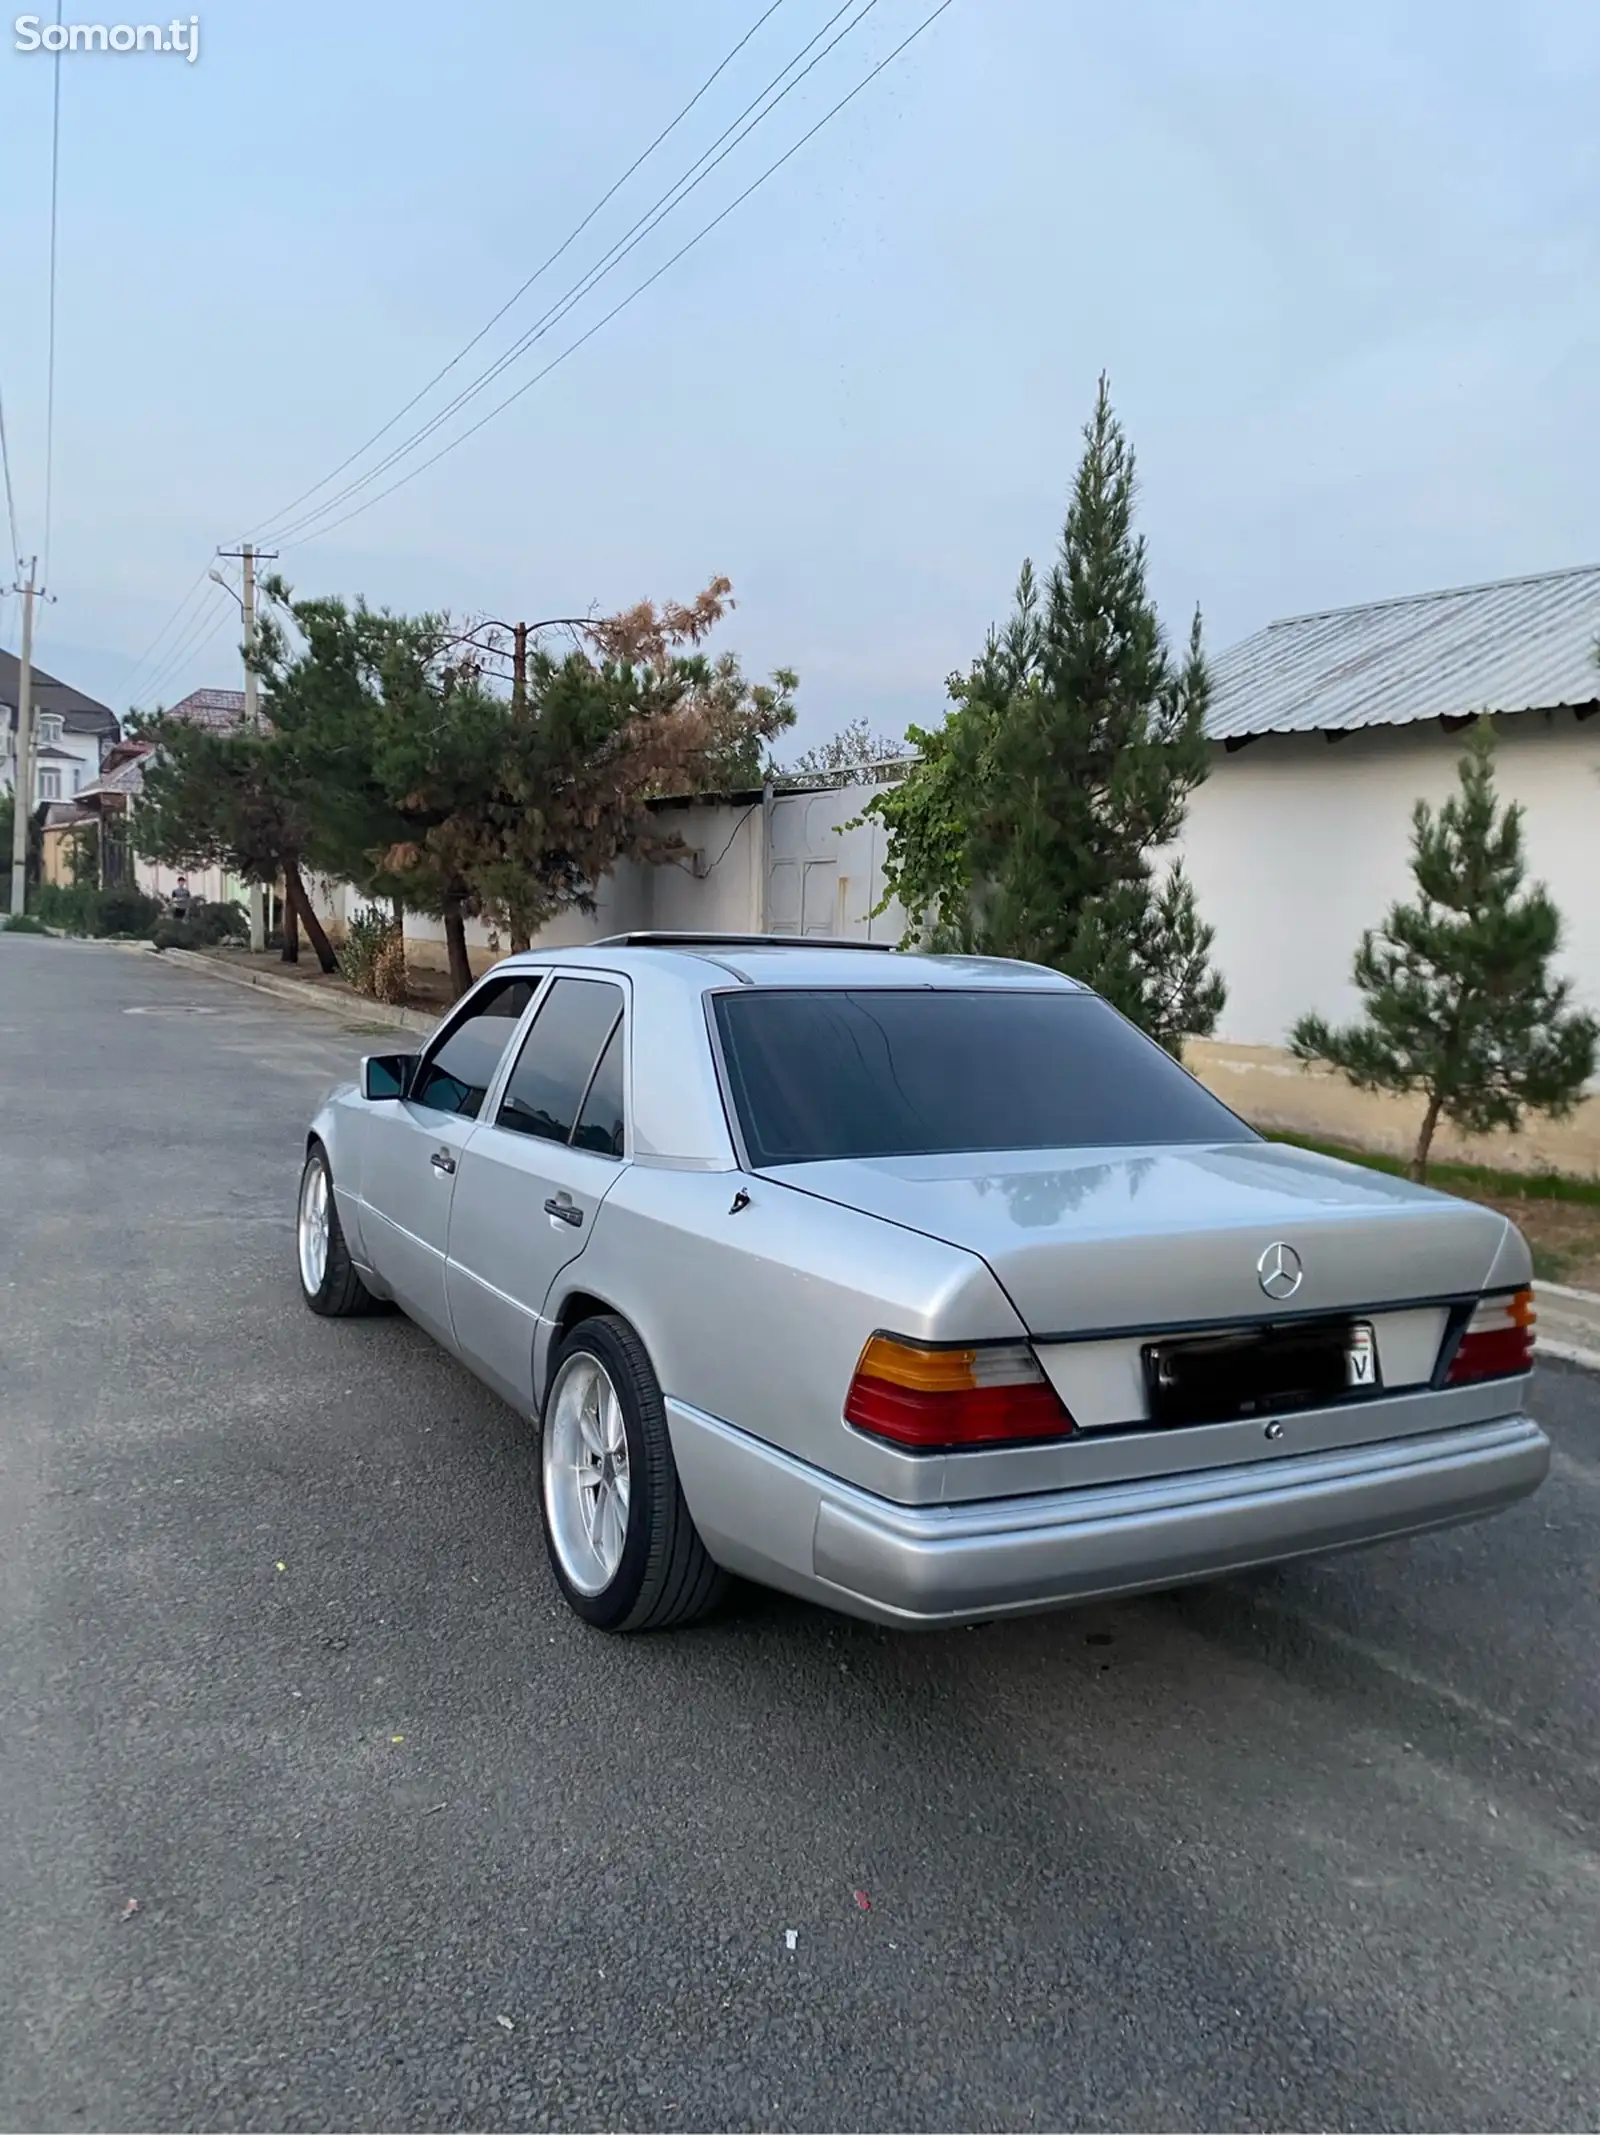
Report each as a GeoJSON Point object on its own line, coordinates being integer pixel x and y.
{"type": "Point", "coordinates": [574, 1306]}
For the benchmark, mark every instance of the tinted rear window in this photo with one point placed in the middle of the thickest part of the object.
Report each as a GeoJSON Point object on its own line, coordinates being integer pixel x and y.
{"type": "Point", "coordinates": [839, 1073]}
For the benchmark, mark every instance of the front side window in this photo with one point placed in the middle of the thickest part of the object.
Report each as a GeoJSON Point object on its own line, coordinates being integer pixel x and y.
{"type": "Point", "coordinates": [579, 1021]}
{"type": "Point", "coordinates": [49, 782]}
{"type": "Point", "coordinates": [49, 729]}
{"type": "Point", "coordinates": [875, 1072]}
{"type": "Point", "coordinates": [456, 1075]}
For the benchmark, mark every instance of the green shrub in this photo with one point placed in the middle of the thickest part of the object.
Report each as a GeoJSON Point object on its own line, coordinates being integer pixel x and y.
{"type": "Point", "coordinates": [125, 912]}
{"type": "Point", "coordinates": [203, 926]}
{"type": "Point", "coordinates": [23, 923]}
{"type": "Point", "coordinates": [213, 923]}
{"type": "Point", "coordinates": [368, 944]}
{"type": "Point", "coordinates": [74, 908]}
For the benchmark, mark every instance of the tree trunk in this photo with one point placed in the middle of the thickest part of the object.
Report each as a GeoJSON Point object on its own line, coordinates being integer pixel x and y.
{"type": "Point", "coordinates": [455, 934]}
{"type": "Point", "coordinates": [399, 916]}
{"type": "Point", "coordinates": [1430, 1120]}
{"type": "Point", "coordinates": [300, 904]}
{"type": "Point", "coordinates": [289, 927]}
{"type": "Point", "coordinates": [520, 939]}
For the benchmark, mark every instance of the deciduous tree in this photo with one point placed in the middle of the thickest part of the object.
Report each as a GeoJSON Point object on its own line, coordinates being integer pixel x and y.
{"type": "Point", "coordinates": [426, 782]}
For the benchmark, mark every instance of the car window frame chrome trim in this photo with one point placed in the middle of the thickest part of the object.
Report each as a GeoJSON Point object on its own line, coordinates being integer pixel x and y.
{"type": "Point", "coordinates": [460, 1014]}
{"type": "Point", "coordinates": [618, 982]}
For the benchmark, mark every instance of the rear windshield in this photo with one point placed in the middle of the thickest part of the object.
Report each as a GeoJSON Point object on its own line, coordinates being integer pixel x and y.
{"type": "Point", "coordinates": [928, 1072]}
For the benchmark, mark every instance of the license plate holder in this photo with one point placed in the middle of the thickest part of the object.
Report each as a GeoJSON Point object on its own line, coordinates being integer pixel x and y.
{"type": "Point", "coordinates": [1259, 1371]}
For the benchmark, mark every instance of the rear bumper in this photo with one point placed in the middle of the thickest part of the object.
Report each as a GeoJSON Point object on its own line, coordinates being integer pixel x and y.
{"type": "Point", "coordinates": [774, 1519]}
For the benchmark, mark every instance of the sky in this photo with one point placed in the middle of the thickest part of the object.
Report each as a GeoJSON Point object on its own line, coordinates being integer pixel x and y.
{"type": "Point", "coordinates": [1342, 266]}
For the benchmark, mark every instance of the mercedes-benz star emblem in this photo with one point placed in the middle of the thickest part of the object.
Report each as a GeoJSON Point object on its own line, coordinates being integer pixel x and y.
{"type": "Point", "coordinates": [1280, 1271]}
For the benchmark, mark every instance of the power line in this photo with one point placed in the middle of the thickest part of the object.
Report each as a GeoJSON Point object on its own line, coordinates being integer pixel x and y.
{"type": "Point", "coordinates": [50, 360]}
{"type": "Point", "coordinates": [202, 632]}
{"type": "Point", "coordinates": [635, 235]}
{"type": "Point", "coordinates": [11, 500]}
{"type": "Point", "coordinates": [149, 652]}
{"type": "Point", "coordinates": [518, 294]}
{"type": "Point", "coordinates": [202, 627]}
{"type": "Point", "coordinates": [527, 384]}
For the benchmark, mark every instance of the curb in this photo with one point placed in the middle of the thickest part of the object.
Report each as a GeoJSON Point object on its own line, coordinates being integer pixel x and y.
{"type": "Point", "coordinates": [354, 1007]}
{"type": "Point", "coordinates": [1567, 1353]}
{"type": "Point", "coordinates": [1578, 1297]}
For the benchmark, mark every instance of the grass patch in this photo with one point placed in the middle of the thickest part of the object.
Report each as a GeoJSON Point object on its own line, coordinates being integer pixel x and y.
{"type": "Point", "coordinates": [24, 923]}
{"type": "Point", "coordinates": [1476, 1182]}
{"type": "Point", "coordinates": [1559, 1216]}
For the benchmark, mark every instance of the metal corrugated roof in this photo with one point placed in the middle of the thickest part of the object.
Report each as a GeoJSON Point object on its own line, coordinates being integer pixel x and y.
{"type": "Point", "coordinates": [1523, 644]}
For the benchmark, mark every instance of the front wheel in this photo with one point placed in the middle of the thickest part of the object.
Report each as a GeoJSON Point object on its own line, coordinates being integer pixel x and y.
{"type": "Point", "coordinates": [328, 1280]}
{"type": "Point", "coordinates": [622, 1544]}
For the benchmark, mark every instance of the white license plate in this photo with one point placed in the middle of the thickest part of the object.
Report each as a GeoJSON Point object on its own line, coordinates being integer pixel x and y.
{"type": "Point", "coordinates": [1361, 1357]}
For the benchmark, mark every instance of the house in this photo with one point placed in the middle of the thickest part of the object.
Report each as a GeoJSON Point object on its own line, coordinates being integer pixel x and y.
{"type": "Point", "coordinates": [71, 734]}
{"type": "Point", "coordinates": [1326, 731]}
{"type": "Point", "coordinates": [113, 797]}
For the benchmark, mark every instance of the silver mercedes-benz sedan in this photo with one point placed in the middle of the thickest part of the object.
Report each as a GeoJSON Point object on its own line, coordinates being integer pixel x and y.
{"type": "Point", "coordinates": [924, 1287]}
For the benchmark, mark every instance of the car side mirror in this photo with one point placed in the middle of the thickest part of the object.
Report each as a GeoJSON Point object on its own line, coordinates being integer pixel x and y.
{"type": "Point", "coordinates": [387, 1074]}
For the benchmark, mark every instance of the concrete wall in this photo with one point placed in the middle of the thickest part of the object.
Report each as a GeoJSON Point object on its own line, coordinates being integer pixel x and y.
{"type": "Point", "coordinates": [822, 877]}
{"type": "Point", "coordinates": [1270, 1088]}
{"type": "Point", "coordinates": [1296, 845]}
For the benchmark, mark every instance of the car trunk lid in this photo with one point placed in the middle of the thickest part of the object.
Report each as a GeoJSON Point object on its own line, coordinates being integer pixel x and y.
{"type": "Point", "coordinates": [1101, 1242]}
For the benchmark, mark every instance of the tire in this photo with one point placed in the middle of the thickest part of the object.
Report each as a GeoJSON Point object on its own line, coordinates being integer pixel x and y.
{"type": "Point", "coordinates": [339, 1293]}
{"type": "Point", "coordinates": [630, 1562]}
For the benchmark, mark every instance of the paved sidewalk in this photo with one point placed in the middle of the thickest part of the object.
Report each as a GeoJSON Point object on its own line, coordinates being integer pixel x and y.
{"type": "Point", "coordinates": [1569, 1324]}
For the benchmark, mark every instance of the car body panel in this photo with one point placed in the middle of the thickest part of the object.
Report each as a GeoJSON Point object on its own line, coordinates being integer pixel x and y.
{"type": "Point", "coordinates": [762, 1313]}
{"type": "Point", "coordinates": [406, 1193]}
{"type": "Point", "coordinates": [755, 1292]}
{"type": "Point", "coordinates": [1091, 1241]}
{"type": "Point", "coordinates": [507, 1250]}
{"type": "Point", "coordinates": [771, 1518]}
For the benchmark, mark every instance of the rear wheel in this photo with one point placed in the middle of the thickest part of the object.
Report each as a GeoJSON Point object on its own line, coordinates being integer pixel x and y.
{"type": "Point", "coordinates": [622, 1544]}
{"type": "Point", "coordinates": [328, 1280]}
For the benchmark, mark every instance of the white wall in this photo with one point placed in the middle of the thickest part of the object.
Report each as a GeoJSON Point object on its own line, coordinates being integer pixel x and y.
{"type": "Point", "coordinates": [1296, 844]}
{"type": "Point", "coordinates": [81, 767]}
{"type": "Point", "coordinates": [824, 878]}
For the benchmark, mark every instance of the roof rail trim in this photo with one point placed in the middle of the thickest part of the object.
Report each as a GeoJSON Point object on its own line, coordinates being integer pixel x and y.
{"type": "Point", "coordinates": [738, 941]}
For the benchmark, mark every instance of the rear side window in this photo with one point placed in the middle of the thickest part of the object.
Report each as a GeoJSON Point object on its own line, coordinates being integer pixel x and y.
{"type": "Point", "coordinates": [600, 1122]}
{"type": "Point", "coordinates": [928, 1072]}
{"type": "Point", "coordinates": [545, 1090]}
{"type": "Point", "coordinates": [455, 1077]}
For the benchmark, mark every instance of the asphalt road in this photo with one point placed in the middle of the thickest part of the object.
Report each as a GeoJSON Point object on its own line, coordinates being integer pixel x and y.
{"type": "Point", "coordinates": [281, 1660]}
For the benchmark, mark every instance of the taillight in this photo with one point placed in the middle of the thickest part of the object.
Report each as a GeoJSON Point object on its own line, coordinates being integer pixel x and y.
{"type": "Point", "coordinates": [1498, 1343]}
{"type": "Point", "coordinates": [939, 1400]}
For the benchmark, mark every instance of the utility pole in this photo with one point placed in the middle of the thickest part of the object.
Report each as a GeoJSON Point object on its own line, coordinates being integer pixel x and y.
{"type": "Point", "coordinates": [519, 665]}
{"type": "Point", "coordinates": [22, 788]}
{"type": "Point", "coordinates": [249, 556]}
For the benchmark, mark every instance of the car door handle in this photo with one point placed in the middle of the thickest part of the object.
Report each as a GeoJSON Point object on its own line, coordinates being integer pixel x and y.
{"type": "Point", "coordinates": [564, 1211]}
{"type": "Point", "coordinates": [443, 1162]}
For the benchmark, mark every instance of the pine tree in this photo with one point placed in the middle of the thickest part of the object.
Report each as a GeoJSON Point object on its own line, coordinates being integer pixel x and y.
{"type": "Point", "coordinates": [1035, 823]}
{"type": "Point", "coordinates": [1461, 1005]}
